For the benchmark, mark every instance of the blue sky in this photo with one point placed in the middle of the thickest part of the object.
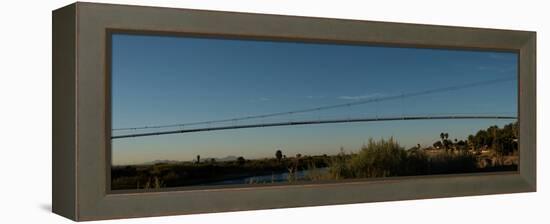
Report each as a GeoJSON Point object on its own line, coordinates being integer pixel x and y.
{"type": "Point", "coordinates": [158, 80]}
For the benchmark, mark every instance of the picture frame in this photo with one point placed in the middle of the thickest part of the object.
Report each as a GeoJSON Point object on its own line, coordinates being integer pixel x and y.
{"type": "Point", "coordinates": [82, 101]}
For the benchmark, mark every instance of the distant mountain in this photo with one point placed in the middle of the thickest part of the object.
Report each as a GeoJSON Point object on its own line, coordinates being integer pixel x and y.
{"type": "Point", "coordinates": [227, 158]}
{"type": "Point", "coordinates": [161, 161]}
{"type": "Point", "coordinates": [224, 159]}
{"type": "Point", "coordinates": [165, 161]}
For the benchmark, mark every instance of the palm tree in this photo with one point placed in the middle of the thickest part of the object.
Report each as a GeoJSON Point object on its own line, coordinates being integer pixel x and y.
{"type": "Point", "coordinates": [442, 136]}
{"type": "Point", "coordinates": [279, 155]}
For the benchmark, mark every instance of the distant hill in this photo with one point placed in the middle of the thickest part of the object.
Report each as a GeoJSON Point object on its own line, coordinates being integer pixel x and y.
{"type": "Point", "coordinates": [161, 161]}
{"type": "Point", "coordinates": [224, 159]}
{"type": "Point", "coordinates": [165, 161]}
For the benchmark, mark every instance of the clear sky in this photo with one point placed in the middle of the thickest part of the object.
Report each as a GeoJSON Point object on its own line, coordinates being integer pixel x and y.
{"type": "Point", "coordinates": [159, 80]}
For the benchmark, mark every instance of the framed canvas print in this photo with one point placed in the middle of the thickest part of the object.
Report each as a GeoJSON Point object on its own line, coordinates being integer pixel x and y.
{"type": "Point", "coordinates": [160, 111]}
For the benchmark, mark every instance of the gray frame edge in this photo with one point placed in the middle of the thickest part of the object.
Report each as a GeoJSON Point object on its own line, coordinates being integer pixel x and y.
{"type": "Point", "coordinates": [64, 112]}
{"type": "Point", "coordinates": [80, 127]}
{"type": "Point", "coordinates": [528, 110]}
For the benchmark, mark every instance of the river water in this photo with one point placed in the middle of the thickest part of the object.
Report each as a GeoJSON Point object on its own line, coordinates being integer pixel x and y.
{"type": "Point", "coordinates": [271, 178]}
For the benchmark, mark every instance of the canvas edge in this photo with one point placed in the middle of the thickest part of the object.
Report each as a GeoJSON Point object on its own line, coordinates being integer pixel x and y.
{"type": "Point", "coordinates": [64, 189]}
{"type": "Point", "coordinates": [528, 110]}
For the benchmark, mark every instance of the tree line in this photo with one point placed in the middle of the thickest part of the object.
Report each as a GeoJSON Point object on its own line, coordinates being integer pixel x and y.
{"type": "Point", "coordinates": [503, 141]}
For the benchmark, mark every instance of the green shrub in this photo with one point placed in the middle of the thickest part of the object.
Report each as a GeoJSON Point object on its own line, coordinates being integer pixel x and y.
{"type": "Point", "coordinates": [379, 159]}
{"type": "Point", "coordinates": [385, 158]}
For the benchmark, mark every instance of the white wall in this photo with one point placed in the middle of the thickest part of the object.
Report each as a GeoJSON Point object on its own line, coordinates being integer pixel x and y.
{"type": "Point", "coordinates": [25, 120]}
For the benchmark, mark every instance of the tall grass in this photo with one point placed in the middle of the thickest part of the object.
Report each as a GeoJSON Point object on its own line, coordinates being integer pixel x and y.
{"type": "Point", "coordinates": [152, 184]}
{"type": "Point", "coordinates": [459, 162]}
{"type": "Point", "coordinates": [385, 158]}
{"type": "Point", "coordinates": [381, 158]}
